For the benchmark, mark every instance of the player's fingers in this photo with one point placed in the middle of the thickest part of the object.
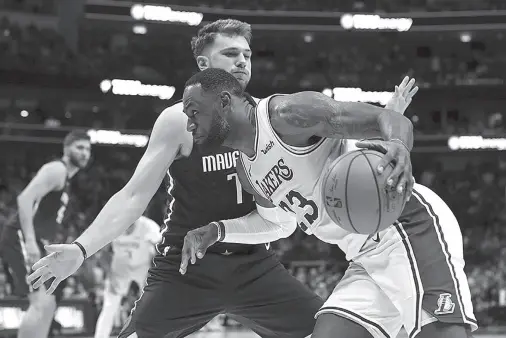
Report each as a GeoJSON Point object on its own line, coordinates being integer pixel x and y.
{"type": "Point", "coordinates": [193, 251]}
{"type": "Point", "coordinates": [42, 279]}
{"type": "Point", "coordinates": [185, 256]}
{"type": "Point", "coordinates": [412, 92]}
{"type": "Point", "coordinates": [37, 273]}
{"type": "Point", "coordinates": [44, 261]}
{"type": "Point", "coordinates": [385, 160]}
{"type": "Point", "coordinates": [408, 87]}
{"type": "Point", "coordinates": [202, 249]}
{"type": "Point", "coordinates": [409, 188]}
{"type": "Point", "coordinates": [53, 286]}
{"type": "Point", "coordinates": [404, 82]}
{"type": "Point", "coordinates": [401, 185]}
{"type": "Point", "coordinates": [395, 175]}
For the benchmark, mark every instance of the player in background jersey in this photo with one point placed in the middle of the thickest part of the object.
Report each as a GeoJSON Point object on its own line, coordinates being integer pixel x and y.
{"type": "Point", "coordinates": [410, 274]}
{"type": "Point", "coordinates": [132, 254]}
{"type": "Point", "coordinates": [41, 209]}
{"type": "Point", "coordinates": [246, 281]}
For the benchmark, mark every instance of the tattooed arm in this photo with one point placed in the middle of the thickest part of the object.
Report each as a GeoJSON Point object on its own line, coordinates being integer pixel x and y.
{"type": "Point", "coordinates": [303, 115]}
{"type": "Point", "coordinates": [297, 118]}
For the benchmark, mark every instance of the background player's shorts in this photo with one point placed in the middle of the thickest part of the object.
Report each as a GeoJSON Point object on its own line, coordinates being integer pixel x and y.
{"type": "Point", "coordinates": [119, 283]}
{"type": "Point", "coordinates": [412, 277]}
{"type": "Point", "coordinates": [12, 251]}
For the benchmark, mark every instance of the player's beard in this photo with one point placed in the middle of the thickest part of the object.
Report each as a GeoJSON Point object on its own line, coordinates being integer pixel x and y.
{"type": "Point", "coordinates": [218, 133]}
{"type": "Point", "coordinates": [76, 162]}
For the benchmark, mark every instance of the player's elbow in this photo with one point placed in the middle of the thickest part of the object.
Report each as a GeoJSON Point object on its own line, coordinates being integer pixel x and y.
{"type": "Point", "coordinates": [24, 200]}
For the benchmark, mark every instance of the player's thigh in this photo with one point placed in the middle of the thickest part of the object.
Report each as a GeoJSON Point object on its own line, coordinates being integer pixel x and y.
{"type": "Point", "coordinates": [330, 325]}
{"type": "Point", "coordinates": [358, 298]}
{"type": "Point", "coordinates": [419, 264]}
{"type": "Point", "coordinates": [171, 304]}
{"type": "Point", "coordinates": [12, 253]}
{"type": "Point", "coordinates": [274, 303]}
{"type": "Point", "coordinates": [445, 330]}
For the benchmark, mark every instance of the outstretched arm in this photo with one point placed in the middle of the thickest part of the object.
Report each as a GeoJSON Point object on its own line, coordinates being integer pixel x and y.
{"type": "Point", "coordinates": [128, 204]}
{"type": "Point", "coordinates": [309, 114]}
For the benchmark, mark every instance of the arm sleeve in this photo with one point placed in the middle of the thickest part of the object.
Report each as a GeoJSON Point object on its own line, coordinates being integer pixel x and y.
{"type": "Point", "coordinates": [260, 226]}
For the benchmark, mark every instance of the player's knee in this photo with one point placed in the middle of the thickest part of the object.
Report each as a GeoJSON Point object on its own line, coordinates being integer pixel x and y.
{"type": "Point", "coordinates": [328, 325]}
{"type": "Point", "coordinates": [445, 330]}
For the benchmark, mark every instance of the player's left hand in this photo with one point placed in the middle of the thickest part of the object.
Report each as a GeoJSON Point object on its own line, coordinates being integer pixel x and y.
{"type": "Point", "coordinates": [403, 95]}
{"type": "Point", "coordinates": [196, 243]}
{"type": "Point", "coordinates": [62, 261]}
{"type": "Point", "coordinates": [398, 154]}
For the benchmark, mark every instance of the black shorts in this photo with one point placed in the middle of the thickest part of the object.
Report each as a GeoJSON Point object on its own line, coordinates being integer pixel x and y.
{"type": "Point", "coordinates": [15, 266]}
{"type": "Point", "coordinates": [251, 286]}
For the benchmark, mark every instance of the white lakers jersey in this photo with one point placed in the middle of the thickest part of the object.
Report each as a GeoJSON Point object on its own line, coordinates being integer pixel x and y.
{"type": "Point", "coordinates": [291, 178]}
{"type": "Point", "coordinates": [138, 246]}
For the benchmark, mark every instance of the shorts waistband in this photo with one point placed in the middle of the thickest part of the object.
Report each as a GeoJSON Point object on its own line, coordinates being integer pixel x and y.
{"type": "Point", "coordinates": [219, 249]}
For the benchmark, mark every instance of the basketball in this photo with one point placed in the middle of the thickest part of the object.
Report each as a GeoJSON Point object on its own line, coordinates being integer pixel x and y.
{"type": "Point", "coordinates": [357, 197]}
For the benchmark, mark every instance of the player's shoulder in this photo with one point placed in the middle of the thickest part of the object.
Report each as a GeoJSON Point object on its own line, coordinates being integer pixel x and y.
{"type": "Point", "coordinates": [171, 125]}
{"type": "Point", "coordinates": [54, 168]}
{"type": "Point", "coordinates": [53, 173]}
{"type": "Point", "coordinates": [175, 115]}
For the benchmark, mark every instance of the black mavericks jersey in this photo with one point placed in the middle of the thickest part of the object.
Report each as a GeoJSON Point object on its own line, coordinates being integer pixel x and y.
{"type": "Point", "coordinates": [203, 187]}
{"type": "Point", "coordinates": [49, 213]}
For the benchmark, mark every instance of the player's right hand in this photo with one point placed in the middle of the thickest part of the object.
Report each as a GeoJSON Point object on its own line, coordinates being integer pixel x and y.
{"type": "Point", "coordinates": [196, 243]}
{"type": "Point", "coordinates": [63, 260]}
{"type": "Point", "coordinates": [32, 252]}
{"type": "Point", "coordinates": [395, 152]}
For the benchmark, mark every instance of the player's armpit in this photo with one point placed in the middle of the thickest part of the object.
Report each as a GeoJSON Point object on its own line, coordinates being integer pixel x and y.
{"type": "Point", "coordinates": [307, 114]}
{"type": "Point", "coordinates": [50, 176]}
{"type": "Point", "coordinates": [168, 138]}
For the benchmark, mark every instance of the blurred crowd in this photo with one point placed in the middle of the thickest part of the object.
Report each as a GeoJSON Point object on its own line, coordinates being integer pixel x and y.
{"type": "Point", "coordinates": [306, 60]}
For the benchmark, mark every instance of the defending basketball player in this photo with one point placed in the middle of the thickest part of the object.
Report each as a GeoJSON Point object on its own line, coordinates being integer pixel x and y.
{"type": "Point", "coordinates": [204, 186]}
{"type": "Point", "coordinates": [411, 274]}
{"type": "Point", "coordinates": [132, 255]}
{"type": "Point", "coordinates": [41, 209]}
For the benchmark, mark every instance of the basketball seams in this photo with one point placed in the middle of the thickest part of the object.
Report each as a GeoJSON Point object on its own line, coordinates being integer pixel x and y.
{"type": "Point", "coordinates": [346, 191]}
{"type": "Point", "coordinates": [380, 204]}
{"type": "Point", "coordinates": [346, 174]}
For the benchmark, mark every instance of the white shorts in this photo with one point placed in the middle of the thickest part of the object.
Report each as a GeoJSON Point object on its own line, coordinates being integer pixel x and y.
{"type": "Point", "coordinates": [119, 283]}
{"type": "Point", "coordinates": [412, 276]}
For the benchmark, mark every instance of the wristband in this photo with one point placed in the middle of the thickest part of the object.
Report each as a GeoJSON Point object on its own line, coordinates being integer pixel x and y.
{"type": "Point", "coordinates": [221, 230]}
{"type": "Point", "coordinates": [83, 250]}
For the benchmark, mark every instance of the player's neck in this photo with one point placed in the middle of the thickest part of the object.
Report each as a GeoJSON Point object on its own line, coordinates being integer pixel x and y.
{"type": "Point", "coordinates": [71, 169]}
{"type": "Point", "coordinates": [243, 130]}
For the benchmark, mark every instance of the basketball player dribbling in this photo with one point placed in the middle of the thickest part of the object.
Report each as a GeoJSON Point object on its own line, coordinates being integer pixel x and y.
{"type": "Point", "coordinates": [409, 275]}
{"type": "Point", "coordinates": [41, 209]}
{"type": "Point", "coordinates": [246, 281]}
{"type": "Point", "coordinates": [132, 254]}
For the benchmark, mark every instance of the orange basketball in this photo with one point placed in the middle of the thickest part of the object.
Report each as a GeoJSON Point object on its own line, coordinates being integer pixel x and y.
{"type": "Point", "coordinates": [356, 196]}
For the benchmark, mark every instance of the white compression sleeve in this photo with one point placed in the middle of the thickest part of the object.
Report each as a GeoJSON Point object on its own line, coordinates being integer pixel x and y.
{"type": "Point", "coordinates": [260, 226]}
